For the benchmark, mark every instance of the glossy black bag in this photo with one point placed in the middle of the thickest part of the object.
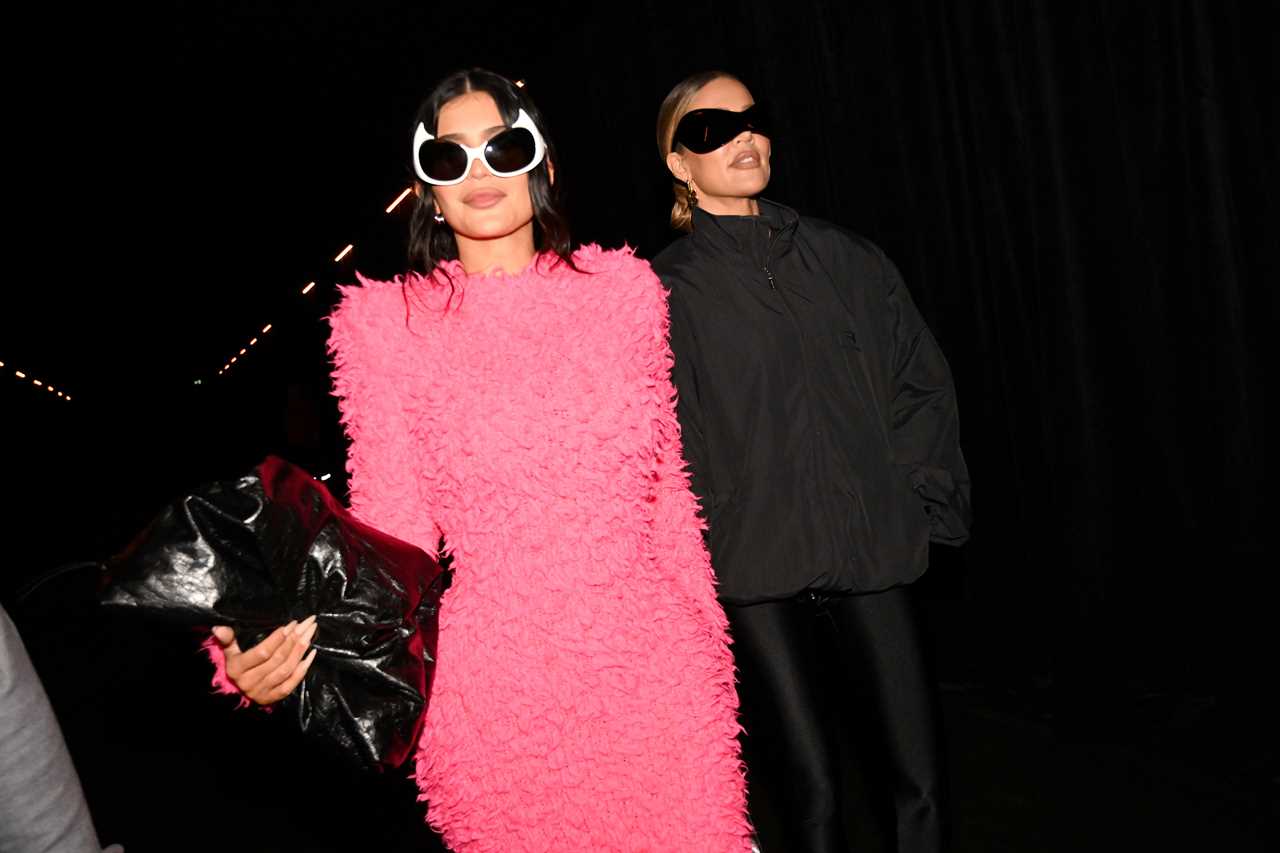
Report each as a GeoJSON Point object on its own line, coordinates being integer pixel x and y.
{"type": "Point", "coordinates": [273, 546]}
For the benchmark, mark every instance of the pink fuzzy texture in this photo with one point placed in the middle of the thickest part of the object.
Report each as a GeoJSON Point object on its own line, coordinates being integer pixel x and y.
{"type": "Point", "coordinates": [584, 697]}
{"type": "Point", "coordinates": [222, 683]}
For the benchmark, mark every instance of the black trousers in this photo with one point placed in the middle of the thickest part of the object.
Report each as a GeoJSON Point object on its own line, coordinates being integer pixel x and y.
{"type": "Point", "coordinates": [817, 669]}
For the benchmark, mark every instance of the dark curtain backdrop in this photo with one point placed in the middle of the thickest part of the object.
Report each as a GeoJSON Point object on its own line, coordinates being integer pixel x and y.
{"type": "Point", "coordinates": [1083, 199]}
{"type": "Point", "coordinates": [1081, 195]}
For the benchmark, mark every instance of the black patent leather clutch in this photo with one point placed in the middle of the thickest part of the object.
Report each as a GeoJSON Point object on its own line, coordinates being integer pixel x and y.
{"type": "Point", "coordinates": [274, 545]}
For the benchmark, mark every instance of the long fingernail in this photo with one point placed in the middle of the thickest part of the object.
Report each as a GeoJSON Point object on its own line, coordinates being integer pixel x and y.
{"type": "Point", "coordinates": [310, 632]}
{"type": "Point", "coordinates": [292, 626]}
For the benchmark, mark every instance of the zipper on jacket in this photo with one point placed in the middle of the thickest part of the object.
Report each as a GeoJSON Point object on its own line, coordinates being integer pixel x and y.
{"type": "Point", "coordinates": [804, 359]}
{"type": "Point", "coordinates": [768, 253]}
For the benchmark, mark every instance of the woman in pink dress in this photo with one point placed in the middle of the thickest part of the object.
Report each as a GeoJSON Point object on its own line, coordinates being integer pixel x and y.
{"type": "Point", "coordinates": [514, 403]}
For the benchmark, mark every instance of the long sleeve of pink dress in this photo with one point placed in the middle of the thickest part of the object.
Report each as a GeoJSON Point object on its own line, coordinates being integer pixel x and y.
{"type": "Point", "coordinates": [584, 694]}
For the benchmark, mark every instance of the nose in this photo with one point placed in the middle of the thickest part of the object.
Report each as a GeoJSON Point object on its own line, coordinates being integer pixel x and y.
{"type": "Point", "coordinates": [478, 169]}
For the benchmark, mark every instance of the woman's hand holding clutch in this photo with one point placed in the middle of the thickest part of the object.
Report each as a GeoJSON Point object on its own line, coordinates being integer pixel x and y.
{"type": "Point", "coordinates": [269, 671]}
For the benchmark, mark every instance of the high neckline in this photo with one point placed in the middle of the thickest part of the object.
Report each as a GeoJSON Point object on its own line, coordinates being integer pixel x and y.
{"type": "Point", "coordinates": [768, 232]}
{"type": "Point", "coordinates": [540, 264]}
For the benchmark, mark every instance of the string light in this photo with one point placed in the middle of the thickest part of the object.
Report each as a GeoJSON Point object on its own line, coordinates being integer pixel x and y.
{"type": "Point", "coordinates": [39, 383]}
{"type": "Point", "coordinates": [344, 253]}
{"type": "Point", "coordinates": [308, 288]}
{"type": "Point", "coordinates": [399, 199]}
{"type": "Point", "coordinates": [266, 328]}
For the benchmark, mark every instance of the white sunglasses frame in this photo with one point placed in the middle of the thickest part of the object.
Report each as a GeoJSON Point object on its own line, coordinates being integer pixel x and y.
{"type": "Point", "coordinates": [522, 121]}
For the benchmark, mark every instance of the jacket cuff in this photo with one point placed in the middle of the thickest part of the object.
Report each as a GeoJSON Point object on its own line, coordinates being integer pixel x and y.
{"type": "Point", "coordinates": [946, 502]}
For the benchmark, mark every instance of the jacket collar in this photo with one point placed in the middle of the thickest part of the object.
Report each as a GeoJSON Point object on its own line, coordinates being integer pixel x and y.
{"type": "Point", "coordinates": [767, 236]}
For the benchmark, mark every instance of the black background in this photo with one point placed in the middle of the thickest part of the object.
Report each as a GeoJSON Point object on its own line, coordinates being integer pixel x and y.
{"type": "Point", "coordinates": [1082, 197]}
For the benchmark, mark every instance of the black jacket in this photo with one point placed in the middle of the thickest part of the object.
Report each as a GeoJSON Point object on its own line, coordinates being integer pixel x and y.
{"type": "Point", "coordinates": [818, 413]}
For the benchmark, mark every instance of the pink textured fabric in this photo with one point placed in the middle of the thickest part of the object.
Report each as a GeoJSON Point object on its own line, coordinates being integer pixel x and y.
{"type": "Point", "coordinates": [222, 683]}
{"type": "Point", "coordinates": [584, 697]}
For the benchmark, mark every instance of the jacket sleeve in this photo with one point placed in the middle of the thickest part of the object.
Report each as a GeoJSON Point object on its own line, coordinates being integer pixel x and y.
{"type": "Point", "coordinates": [678, 530]}
{"type": "Point", "coordinates": [689, 411]}
{"type": "Point", "coordinates": [924, 418]}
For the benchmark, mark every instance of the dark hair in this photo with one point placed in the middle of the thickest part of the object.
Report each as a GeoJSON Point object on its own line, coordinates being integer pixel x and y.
{"type": "Point", "coordinates": [431, 242]}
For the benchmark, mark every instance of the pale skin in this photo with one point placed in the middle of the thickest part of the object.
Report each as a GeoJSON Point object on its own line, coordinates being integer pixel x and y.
{"type": "Point", "coordinates": [728, 179]}
{"type": "Point", "coordinates": [492, 221]}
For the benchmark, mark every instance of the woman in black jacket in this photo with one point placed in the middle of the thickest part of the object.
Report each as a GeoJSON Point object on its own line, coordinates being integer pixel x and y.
{"type": "Point", "coordinates": [819, 423]}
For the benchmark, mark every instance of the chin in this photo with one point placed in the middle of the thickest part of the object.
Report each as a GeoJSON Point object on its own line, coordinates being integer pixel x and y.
{"type": "Point", "coordinates": [491, 226]}
{"type": "Point", "coordinates": [749, 189]}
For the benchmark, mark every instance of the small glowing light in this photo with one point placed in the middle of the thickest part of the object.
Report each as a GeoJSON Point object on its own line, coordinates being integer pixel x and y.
{"type": "Point", "coordinates": [308, 288]}
{"type": "Point", "coordinates": [344, 252]}
{"type": "Point", "coordinates": [266, 328]}
{"type": "Point", "coordinates": [50, 388]}
{"type": "Point", "coordinates": [68, 397]}
{"type": "Point", "coordinates": [399, 199]}
{"type": "Point", "coordinates": [38, 382]}
{"type": "Point", "coordinates": [220, 372]}
{"type": "Point", "coordinates": [59, 393]}
{"type": "Point", "coordinates": [199, 382]}
{"type": "Point", "coordinates": [519, 84]}
{"type": "Point", "coordinates": [19, 374]}
{"type": "Point", "coordinates": [1, 364]}
{"type": "Point", "coordinates": [324, 477]}
{"type": "Point", "coordinates": [253, 341]}
{"type": "Point", "coordinates": [234, 358]}
{"type": "Point", "coordinates": [243, 350]}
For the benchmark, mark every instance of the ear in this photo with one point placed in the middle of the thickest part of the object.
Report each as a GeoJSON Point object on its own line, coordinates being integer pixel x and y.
{"type": "Point", "coordinates": [677, 167]}
{"type": "Point", "coordinates": [551, 172]}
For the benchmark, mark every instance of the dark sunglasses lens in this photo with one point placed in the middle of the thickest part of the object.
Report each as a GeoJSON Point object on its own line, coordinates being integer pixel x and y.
{"type": "Point", "coordinates": [510, 151]}
{"type": "Point", "coordinates": [442, 161]}
{"type": "Point", "coordinates": [757, 120]}
{"type": "Point", "coordinates": [703, 131]}
{"type": "Point", "coordinates": [697, 132]}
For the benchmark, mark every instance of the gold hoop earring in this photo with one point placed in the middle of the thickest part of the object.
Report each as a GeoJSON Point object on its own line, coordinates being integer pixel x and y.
{"type": "Point", "coordinates": [693, 194]}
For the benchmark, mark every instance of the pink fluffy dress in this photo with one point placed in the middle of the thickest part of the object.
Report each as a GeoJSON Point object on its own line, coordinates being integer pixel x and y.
{"type": "Point", "coordinates": [584, 694]}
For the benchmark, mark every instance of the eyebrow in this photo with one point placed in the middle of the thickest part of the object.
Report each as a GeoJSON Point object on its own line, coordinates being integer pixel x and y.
{"type": "Point", "coordinates": [457, 137]}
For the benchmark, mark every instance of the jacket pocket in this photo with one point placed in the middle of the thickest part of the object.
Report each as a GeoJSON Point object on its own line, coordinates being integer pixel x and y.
{"type": "Point", "coordinates": [859, 379]}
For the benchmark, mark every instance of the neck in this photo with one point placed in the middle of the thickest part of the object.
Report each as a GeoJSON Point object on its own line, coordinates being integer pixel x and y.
{"type": "Point", "coordinates": [510, 254]}
{"type": "Point", "coordinates": [729, 206]}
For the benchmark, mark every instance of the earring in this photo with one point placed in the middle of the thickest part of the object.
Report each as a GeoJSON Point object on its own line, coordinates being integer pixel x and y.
{"type": "Point", "coordinates": [693, 194]}
{"type": "Point", "coordinates": [439, 218]}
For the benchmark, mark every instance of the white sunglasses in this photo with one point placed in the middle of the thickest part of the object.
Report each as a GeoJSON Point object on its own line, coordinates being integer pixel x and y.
{"type": "Point", "coordinates": [514, 151]}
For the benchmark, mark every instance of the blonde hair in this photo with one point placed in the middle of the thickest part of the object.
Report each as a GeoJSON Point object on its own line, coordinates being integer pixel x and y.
{"type": "Point", "coordinates": [674, 106]}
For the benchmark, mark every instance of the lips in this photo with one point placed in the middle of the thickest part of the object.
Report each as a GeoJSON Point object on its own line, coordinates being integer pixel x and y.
{"type": "Point", "coordinates": [747, 159]}
{"type": "Point", "coordinates": [483, 198]}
